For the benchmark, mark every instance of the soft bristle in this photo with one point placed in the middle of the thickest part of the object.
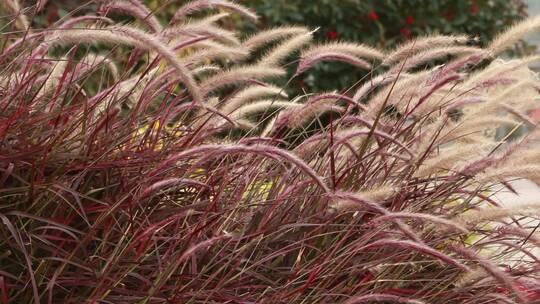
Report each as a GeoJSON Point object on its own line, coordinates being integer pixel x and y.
{"type": "Point", "coordinates": [199, 5]}
{"type": "Point", "coordinates": [422, 43]}
{"type": "Point", "coordinates": [512, 35]}
{"type": "Point", "coordinates": [264, 37]}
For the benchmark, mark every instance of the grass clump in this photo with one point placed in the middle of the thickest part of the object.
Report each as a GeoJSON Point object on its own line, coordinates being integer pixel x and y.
{"type": "Point", "coordinates": [154, 163]}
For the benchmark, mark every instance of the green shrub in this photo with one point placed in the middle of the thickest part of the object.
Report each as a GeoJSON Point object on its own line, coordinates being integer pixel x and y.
{"type": "Point", "coordinates": [383, 24]}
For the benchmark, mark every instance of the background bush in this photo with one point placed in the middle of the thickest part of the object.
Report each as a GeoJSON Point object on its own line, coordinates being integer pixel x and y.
{"type": "Point", "coordinates": [378, 23]}
{"type": "Point", "coordinates": [384, 24]}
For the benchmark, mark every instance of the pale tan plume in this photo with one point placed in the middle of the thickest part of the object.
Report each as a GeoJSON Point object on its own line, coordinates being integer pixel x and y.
{"type": "Point", "coordinates": [15, 8]}
{"type": "Point", "coordinates": [134, 37]}
{"type": "Point", "coordinates": [251, 93]}
{"type": "Point", "coordinates": [512, 35]}
{"type": "Point", "coordinates": [276, 55]}
{"type": "Point", "coordinates": [239, 75]}
{"type": "Point", "coordinates": [422, 43]}
{"type": "Point", "coordinates": [476, 217]}
{"type": "Point", "coordinates": [268, 36]}
{"type": "Point", "coordinates": [355, 49]}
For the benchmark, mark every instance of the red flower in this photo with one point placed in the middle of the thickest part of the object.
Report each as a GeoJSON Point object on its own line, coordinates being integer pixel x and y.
{"type": "Point", "coordinates": [332, 35]}
{"type": "Point", "coordinates": [410, 20]}
{"type": "Point", "coordinates": [52, 15]}
{"type": "Point", "coordinates": [374, 16]}
{"type": "Point", "coordinates": [475, 9]}
{"type": "Point", "coordinates": [406, 32]}
{"type": "Point", "coordinates": [448, 15]}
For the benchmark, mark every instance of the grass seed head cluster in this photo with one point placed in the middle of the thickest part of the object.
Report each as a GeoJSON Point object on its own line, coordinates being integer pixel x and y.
{"type": "Point", "coordinates": [158, 162]}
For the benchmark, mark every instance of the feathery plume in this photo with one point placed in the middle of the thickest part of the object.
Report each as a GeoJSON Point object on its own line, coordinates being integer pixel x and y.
{"type": "Point", "coordinates": [196, 29]}
{"type": "Point", "coordinates": [513, 35]}
{"type": "Point", "coordinates": [134, 37]}
{"type": "Point", "coordinates": [490, 268]}
{"type": "Point", "coordinates": [271, 126]}
{"type": "Point", "coordinates": [460, 103]}
{"type": "Point", "coordinates": [378, 81]}
{"type": "Point", "coordinates": [405, 85]}
{"type": "Point", "coordinates": [211, 19]}
{"type": "Point", "coordinates": [15, 8]}
{"type": "Point", "coordinates": [521, 116]}
{"type": "Point", "coordinates": [70, 23]}
{"type": "Point", "coordinates": [260, 106]}
{"type": "Point", "coordinates": [449, 158]}
{"type": "Point", "coordinates": [503, 173]}
{"type": "Point", "coordinates": [212, 50]}
{"type": "Point", "coordinates": [475, 217]}
{"type": "Point", "coordinates": [422, 43]}
{"type": "Point", "coordinates": [206, 69]}
{"type": "Point", "coordinates": [199, 5]}
{"type": "Point", "coordinates": [93, 60]}
{"type": "Point", "coordinates": [307, 113]}
{"type": "Point", "coordinates": [343, 201]}
{"type": "Point", "coordinates": [135, 9]}
{"type": "Point", "coordinates": [519, 232]}
{"type": "Point", "coordinates": [251, 93]}
{"type": "Point", "coordinates": [280, 52]}
{"type": "Point", "coordinates": [420, 216]}
{"type": "Point", "coordinates": [264, 37]}
{"type": "Point", "coordinates": [17, 43]}
{"type": "Point", "coordinates": [308, 62]}
{"type": "Point", "coordinates": [380, 193]}
{"type": "Point", "coordinates": [54, 77]}
{"type": "Point", "coordinates": [168, 55]}
{"type": "Point", "coordinates": [354, 49]}
{"type": "Point", "coordinates": [432, 54]}
{"type": "Point", "coordinates": [239, 75]}
{"type": "Point", "coordinates": [313, 106]}
{"type": "Point", "coordinates": [497, 69]}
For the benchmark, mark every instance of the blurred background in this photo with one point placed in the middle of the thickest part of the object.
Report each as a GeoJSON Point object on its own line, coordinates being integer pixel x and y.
{"type": "Point", "coordinates": [380, 23]}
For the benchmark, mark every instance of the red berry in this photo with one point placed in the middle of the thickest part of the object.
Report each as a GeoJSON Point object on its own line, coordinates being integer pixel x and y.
{"type": "Point", "coordinates": [410, 20]}
{"type": "Point", "coordinates": [332, 35]}
{"type": "Point", "coordinates": [52, 15]}
{"type": "Point", "coordinates": [449, 16]}
{"type": "Point", "coordinates": [406, 32]}
{"type": "Point", "coordinates": [374, 16]}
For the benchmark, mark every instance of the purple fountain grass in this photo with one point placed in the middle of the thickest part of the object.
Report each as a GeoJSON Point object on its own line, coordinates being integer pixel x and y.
{"type": "Point", "coordinates": [168, 167]}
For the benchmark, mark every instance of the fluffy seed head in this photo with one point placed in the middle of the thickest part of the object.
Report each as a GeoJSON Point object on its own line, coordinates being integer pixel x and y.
{"type": "Point", "coordinates": [422, 43]}
{"type": "Point", "coordinates": [198, 5]}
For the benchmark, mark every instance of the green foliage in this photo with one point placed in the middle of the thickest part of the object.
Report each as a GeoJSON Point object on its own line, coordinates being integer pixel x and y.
{"type": "Point", "coordinates": [383, 23]}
